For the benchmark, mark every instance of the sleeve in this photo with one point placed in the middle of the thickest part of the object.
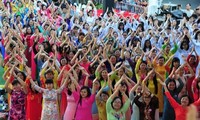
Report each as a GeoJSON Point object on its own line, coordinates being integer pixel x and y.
{"type": "Point", "coordinates": [106, 88]}
{"type": "Point", "coordinates": [126, 105]}
{"type": "Point", "coordinates": [76, 95]}
{"type": "Point", "coordinates": [41, 29]}
{"type": "Point", "coordinates": [194, 86]}
{"type": "Point", "coordinates": [197, 103]}
{"type": "Point", "coordinates": [137, 102]}
{"type": "Point", "coordinates": [60, 89]}
{"type": "Point", "coordinates": [188, 57]}
{"type": "Point", "coordinates": [108, 105]}
{"type": "Point", "coordinates": [97, 75]}
{"type": "Point", "coordinates": [92, 98]}
{"type": "Point", "coordinates": [180, 87]}
{"type": "Point", "coordinates": [131, 96]}
{"type": "Point", "coordinates": [155, 102]}
{"type": "Point", "coordinates": [173, 103]}
{"type": "Point", "coordinates": [154, 63]}
{"type": "Point", "coordinates": [39, 89]}
{"type": "Point", "coordinates": [174, 49]}
{"type": "Point", "coordinates": [164, 46]}
{"type": "Point", "coordinates": [137, 65]}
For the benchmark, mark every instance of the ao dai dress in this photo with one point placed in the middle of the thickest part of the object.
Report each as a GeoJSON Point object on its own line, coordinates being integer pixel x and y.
{"type": "Point", "coordinates": [17, 111]}
{"type": "Point", "coordinates": [50, 110]}
{"type": "Point", "coordinates": [71, 107]}
{"type": "Point", "coordinates": [83, 110]}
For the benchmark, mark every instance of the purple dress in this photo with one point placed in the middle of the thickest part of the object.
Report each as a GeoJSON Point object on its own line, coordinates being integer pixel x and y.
{"type": "Point", "coordinates": [17, 110]}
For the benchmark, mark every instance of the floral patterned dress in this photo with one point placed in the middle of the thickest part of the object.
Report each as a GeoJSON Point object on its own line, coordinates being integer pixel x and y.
{"type": "Point", "coordinates": [50, 110]}
{"type": "Point", "coordinates": [17, 110]}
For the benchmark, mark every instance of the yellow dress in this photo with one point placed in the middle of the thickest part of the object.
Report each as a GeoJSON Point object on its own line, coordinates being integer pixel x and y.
{"type": "Point", "coordinates": [101, 109]}
{"type": "Point", "coordinates": [139, 75]}
{"type": "Point", "coordinates": [161, 70]}
{"type": "Point", "coordinates": [151, 86]}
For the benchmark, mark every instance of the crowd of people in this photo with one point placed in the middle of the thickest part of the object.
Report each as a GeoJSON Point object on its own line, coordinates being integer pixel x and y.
{"type": "Point", "coordinates": [60, 63]}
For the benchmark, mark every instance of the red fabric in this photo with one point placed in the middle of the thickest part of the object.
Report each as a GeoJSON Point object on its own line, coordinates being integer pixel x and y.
{"type": "Point", "coordinates": [27, 38]}
{"type": "Point", "coordinates": [180, 111]}
{"type": "Point", "coordinates": [196, 94]}
{"type": "Point", "coordinates": [63, 103]}
{"type": "Point", "coordinates": [34, 104]}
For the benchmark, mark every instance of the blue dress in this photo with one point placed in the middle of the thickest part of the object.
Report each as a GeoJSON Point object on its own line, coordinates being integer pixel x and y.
{"type": "Point", "coordinates": [168, 112]}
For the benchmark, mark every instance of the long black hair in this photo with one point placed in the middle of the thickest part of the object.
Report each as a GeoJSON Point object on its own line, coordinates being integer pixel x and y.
{"type": "Point", "coordinates": [155, 82]}
{"type": "Point", "coordinates": [88, 93]}
{"type": "Point", "coordinates": [145, 47]}
{"type": "Point", "coordinates": [175, 59]}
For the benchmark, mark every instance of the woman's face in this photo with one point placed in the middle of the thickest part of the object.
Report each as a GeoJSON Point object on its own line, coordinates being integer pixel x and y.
{"type": "Point", "coordinates": [120, 72]}
{"type": "Point", "coordinates": [117, 53]}
{"type": "Point", "coordinates": [167, 49]}
{"type": "Point", "coordinates": [184, 101]}
{"type": "Point", "coordinates": [49, 86]}
{"type": "Point", "coordinates": [143, 66]}
{"type": "Point", "coordinates": [29, 30]}
{"type": "Point", "coordinates": [90, 13]}
{"type": "Point", "coordinates": [63, 62]}
{"type": "Point", "coordinates": [156, 22]}
{"type": "Point", "coordinates": [171, 86]}
{"type": "Point", "coordinates": [71, 55]}
{"type": "Point", "coordinates": [84, 93]}
{"type": "Point", "coordinates": [115, 35]}
{"type": "Point", "coordinates": [147, 97]}
{"type": "Point", "coordinates": [20, 75]}
{"type": "Point", "coordinates": [117, 104]}
{"type": "Point", "coordinates": [185, 46]}
{"type": "Point", "coordinates": [127, 55]}
{"type": "Point", "coordinates": [176, 64]}
{"type": "Point", "coordinates": [192, 60]}
{"type": "Point", "coordinates": [123, 88]}
{"type": "Point", "coordinates": [147, 44]}
{"type": "Point", "coordinates": [174, 23]}
{"type": "Point", "coordinates": [49, 75]}
{"type": "Point", "coordinates": [113, 59]}
{"type": "Point", "coordinates": [77, 69]}
{"type": "Point", "coordinates": [147, 100]}
{"type": "Point", "coordinates": [97, 84]}
{"type": "Point", "coordinates": [104, 74]}
{"type": "Point", "coordinates": [17, 87]}
{"type": "Point", "coordinates": [104, 97]}
{"type": "Point", "coordinates": [86, 26]}
{"type": "Point", "coordinates": [161, 61]}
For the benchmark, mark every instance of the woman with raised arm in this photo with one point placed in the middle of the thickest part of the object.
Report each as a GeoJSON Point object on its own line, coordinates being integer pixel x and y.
{"type": "Point", "coordinates": [50, 110]}
{"type": "Point", "coordinates": [101, 99]}
{"type": "Point", "coordinates": [18, 97]}
{"type": "Point", "coordinates": [116, 109]}
{"type": "Point", "coordinates": [137, 89]}
{"type": "Point", "coordinates": [72, 85]}
{"type": "Point", "coordinates": [84, 99]}
{"type": "Point", "coordinates": [171, 82]}
{"type": "Point", "coordinates": [181, 109]}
